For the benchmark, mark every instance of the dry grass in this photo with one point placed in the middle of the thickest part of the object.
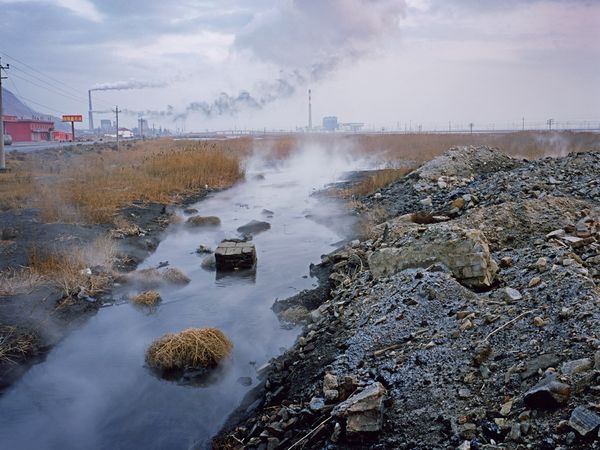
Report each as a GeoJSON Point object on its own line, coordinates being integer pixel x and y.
{"type": "Point", "coordinates": [175, 276]}
{"type": "Point", "coordinates": [91, 186]}
{"type": "Point", "coordinates": [68, 268]}
{"type": "Point", "coordinates": [203, 221]}
{"type": "Point", "coordinates": [19, 281]}
{"type": "Point", "coordinates": [15, 343]}
{"type": "Point", "coordinates": [194, 347]}
{"type": "Point", "coordinates": [147, 298]}
{"type": "Point", "coordinates": [375, 182]}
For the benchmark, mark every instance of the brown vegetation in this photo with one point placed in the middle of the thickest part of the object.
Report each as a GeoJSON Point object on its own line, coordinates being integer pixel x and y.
{"type": "Point", "coordinates": [15, 343]}
{"type": "Point", "coordinates": [68, 268]}
{"type": "Point", "coordinates": [175, 276]}
{"type": "Point", "coordinates": [147, 298]}
{"type": "Point", "coordinates": [89, 186]}
{"type": "Point", "coordinates": [200, 221]}
{"type": "Point", "coordinates": [194, 347]}
{"type": "Point", "coordinates": [376, 181]}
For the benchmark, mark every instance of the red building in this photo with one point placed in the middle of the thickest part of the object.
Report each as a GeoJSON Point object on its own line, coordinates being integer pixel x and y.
{"type": "Point", "coordinates": [33, 130]}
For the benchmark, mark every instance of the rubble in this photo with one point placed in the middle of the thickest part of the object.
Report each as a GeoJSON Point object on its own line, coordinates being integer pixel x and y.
{"type": "Point", "coordinates": [500, 355]}
{"type": "Point", "coordinates": [233, 255]}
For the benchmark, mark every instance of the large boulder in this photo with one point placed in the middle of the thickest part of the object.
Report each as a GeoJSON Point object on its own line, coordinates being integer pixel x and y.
{"type": "Point", "coordinates": [465, 252]}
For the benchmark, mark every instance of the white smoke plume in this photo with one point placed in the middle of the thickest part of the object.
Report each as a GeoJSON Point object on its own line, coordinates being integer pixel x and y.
{"type": "Point", "coordinates": [128, 85]}
{"type": "Point", "coordinates": [306, 40]}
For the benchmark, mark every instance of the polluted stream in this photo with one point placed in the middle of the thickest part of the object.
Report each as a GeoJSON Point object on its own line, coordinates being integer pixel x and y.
{"type": "Point", "coordinates": [94, 390]}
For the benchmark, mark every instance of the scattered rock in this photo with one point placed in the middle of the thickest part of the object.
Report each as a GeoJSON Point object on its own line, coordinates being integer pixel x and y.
{"type": "Point", "coordinates": [584, 421]}
{"type": "Point", "coordinates": [512, 295]}
{"type": "Point", "coordinates": [254, 227]}
{"type": "Point", "coordinates": [576, 366]}
{"type": "Point", "coordinates": [235, 255]}
{"type": "Point", "coordinates": [548, 393]}
{"type": "Point", "coordinates": [363, 411]}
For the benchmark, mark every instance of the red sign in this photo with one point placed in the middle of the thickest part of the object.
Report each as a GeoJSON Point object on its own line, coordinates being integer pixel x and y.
{"type": "Point", "coordinates": [72, 118]}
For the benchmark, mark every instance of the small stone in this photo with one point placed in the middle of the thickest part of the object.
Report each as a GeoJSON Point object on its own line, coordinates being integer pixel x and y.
{"type": "Point", "coordinates": [576, 366]}
{"type": "Point", "coordinates": [584, 421]}
{"type": "Point", "coordinates": [511, 294]}
{"type": "Point", "coordinates": [426, 201]}
{"type": "Point", "coordinates": [272, 443]}
{"type": "Point", "coordinates": [541, 264]}
{"type": "Point", "coordinates": [548, 393]}
{"type": "Point", "coordinates": [506, 261]}
{"type": "Point", "coordinates": [458, 203]}
{"type": "Point", "coordinates": [534, 282]}
{"type": "Point", "coordinates": [515, 432]}
{"type": "Point", "coordinates": [316, 404]}
{"type": "Point", "coordinates": [337, 431]}
{"type": "Point", "coordinates": [538, 321]}
{"type": "Point", "coordinates": [555, 234]}
{"type": "Point", "coordinates": [482, 353]}
{"type": "Point", "coordinates": [506, 407]}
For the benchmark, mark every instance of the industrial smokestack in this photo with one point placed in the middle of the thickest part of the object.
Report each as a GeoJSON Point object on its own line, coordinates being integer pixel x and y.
{"type": "Point", "coordinates": [309, 110]}
{"type": "Point", "coordinates": [91, 111]}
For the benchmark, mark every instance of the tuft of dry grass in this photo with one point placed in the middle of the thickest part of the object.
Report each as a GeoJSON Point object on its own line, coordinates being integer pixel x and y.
{"type": "Point", "coordinates": [90, 187]}
{"type": "Point", "coordinates": [194, 347]}
{"type": "Point", "coordinates": [19, 281]}
{"type": "Point", "coordinates": [68, 268]}
{"type": "Point", "coordinates": [200, 221]}
{"type": "Point", "coordinates": [147, 298]}
{"type": "Point", "coordinates": [175, 276]}
{"type": "Point", "coordinates": [15, 343]}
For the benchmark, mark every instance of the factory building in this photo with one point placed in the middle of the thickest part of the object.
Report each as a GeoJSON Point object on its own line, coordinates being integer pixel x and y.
{"type": "Point", "coordinates": [33, 130]}
{"type": "Point", "coordinates": [330, 123]}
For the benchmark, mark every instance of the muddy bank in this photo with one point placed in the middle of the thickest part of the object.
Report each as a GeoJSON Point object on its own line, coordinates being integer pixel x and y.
{"type": "Point", "coordinates": [468, 319]}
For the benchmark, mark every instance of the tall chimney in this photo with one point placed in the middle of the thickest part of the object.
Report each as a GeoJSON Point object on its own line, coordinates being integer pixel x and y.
{"type": "Point", "coordinates": [91, 111]}
{"type": "Point", "coordinates": [309, 110]}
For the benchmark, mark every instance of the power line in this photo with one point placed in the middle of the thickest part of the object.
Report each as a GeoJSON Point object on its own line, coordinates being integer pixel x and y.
{"type": "Point", "coordinates": [62, 91]}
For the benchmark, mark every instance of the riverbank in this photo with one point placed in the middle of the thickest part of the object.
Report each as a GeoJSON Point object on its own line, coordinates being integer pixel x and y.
{"type": "Point", "coordinates": [58, 264]}
{"type": "Point", "coordinates": [467, 318]}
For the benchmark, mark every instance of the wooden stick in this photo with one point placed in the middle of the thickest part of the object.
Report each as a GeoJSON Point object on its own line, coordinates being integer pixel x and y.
{"type": "Point", "coordinates": [307, 435]}
{"type": "Point", "coordinates": [508, 323]}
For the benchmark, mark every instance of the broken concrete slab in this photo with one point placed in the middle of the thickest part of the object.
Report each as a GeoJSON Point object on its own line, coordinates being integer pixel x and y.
{"type": "Point", "coordinates": [464, 251]}
{"type": "Point", "coordinates": [235, 255]}
{"type": "Point", "coordinates": [363, 411]}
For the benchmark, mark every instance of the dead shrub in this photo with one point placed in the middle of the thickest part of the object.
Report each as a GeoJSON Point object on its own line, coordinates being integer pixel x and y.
{"type": "Point", "coordinates": [15, 343]}
{"type": "Point", "coordinates": [194, 347]}
{"type": "Point", "coordinates": [203, 221]}
{"type": "Point", "coordinates": [19, 281]}
{"type": "Point", "coordinates": [175, 276]}
{"type": "Point", "coordinates": [69, 268]}
{"type": "Point", "coordinates": [147, 298]}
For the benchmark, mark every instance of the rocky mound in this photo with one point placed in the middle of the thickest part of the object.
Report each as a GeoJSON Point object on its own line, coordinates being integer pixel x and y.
{"type": "Point", "coordinates": [475, 327]}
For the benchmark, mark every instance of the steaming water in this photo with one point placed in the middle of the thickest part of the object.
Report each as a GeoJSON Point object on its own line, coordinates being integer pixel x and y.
{"type": "Point", "coordinates": [93, 390]}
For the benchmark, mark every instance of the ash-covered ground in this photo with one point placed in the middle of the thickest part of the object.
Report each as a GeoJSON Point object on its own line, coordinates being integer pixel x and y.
{"type": "Point", "coordinates": [468, 319]}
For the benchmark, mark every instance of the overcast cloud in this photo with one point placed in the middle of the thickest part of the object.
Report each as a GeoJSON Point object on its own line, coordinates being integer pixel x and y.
{"type": "Point", "coordinates": [219, 64]}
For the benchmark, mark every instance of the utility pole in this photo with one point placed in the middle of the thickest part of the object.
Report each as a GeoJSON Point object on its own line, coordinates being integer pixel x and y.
{"type": "Point", "coordinates": [2, 156]}
{"type": "Point", "coordinates": [549, 122]}
{"type": "Point", "coordinates": [117, 111]}
{"type": "Point", "coordinates": [523, 122]}
{"type": "Point", "coordinates": [471, 127]}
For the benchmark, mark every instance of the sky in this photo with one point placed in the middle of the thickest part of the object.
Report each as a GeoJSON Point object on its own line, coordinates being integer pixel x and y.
{"type": "Point", "coordinates": [248, 64]}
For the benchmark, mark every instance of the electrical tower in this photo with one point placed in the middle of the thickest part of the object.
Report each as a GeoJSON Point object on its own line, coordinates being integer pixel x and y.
{"type": "Point", "coordinates": [2, 156]}
{"type": "Point", "coordinates": [117, 111]}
